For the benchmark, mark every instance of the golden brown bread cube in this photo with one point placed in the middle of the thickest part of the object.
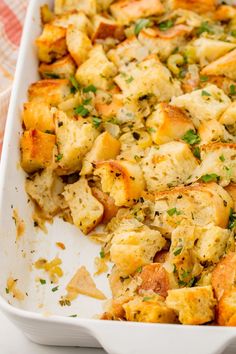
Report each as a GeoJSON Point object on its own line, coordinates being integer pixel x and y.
{"type": "Point", "coordinates": [199, 6]}
{"type": "Point", "coordinates": [110, 209]}
{"type": "Point", "coordinates": [226, 310]}
{"type": "Point", "coordinates": [105, 28]}
{"type": "Point", "coordinates": [126, 11]}
{"type": "Point", "coordinates": [87, 6]}
{"type": "Point", "coordinates": [123, 180]}
{"type": "Point", "coordinates": [51, 43]}
{"type": "Point", "coordinates": [231, 189]}
{"type": "Point", "coordinates": [51, 92]}
{"type": "Point", "coordinates": [225, 65]}
{"type": "Point", "coordinates": [38, 115]}
{"type": "Point", "coordinates": [224, 275]}
{"type": "Point", "coordinates": [36, 150]}
{"type": "Point", "coordinates": [168, 123]}
{"type": "Point", "coordinates": [194, 306]}
{"type": "Point", "coordinates": [59, 69]}
{"type": "Point", "coordinates": [75, 18]}
{"type": "Point", "coordinates": [224, 13]}
{"type": "Point", "coordinates": [150, 309]}
{"type": "Point", "coordinates": [78, 43]}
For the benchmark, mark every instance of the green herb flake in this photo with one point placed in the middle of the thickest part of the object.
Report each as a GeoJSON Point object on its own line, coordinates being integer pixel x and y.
{"type": "Point", "coordinates": [232, 220]}
{"type": "Point", "coordinates": [204, 78]}
{"type": "Point", "coordinates": [90, 88]}
{"type": "Point", "coordinates": [52, 75]}
{"type": "Point", "coordinates": [139, 269]}
{"type": "Point", "coordinates": [59, 157]}
{"type": "Point", "coordinates": [233, 33]}
{"type": "Point", "coordinates": [151, 130]}
{"type": "Point", "coordinates": [129, 80]}
{"type": "Point", "coordinates": [7, 291]}
{"type": "Point", "coordinates": [164, 26]}
{"type": "Point", "coordinates": [177, 251]}
{"type": "Point", "coordinates": [102, 254]}
{"type": "Point", "coordinates": [81, 110]}
{"type": "Point", "coordinates": [42, 281]}
{"type": "Point", "coordinates": [55, 289]}
{"type": "Point", "coordinates": [205, 93]}
{"type": "Point", "coordinates": [191, 137]}
{"type": "Point", "coordinates": [147, 298]}
{"type": "Point", "coordinates": [87, 101]}
{"type": "Point", "coordinates": [222, 158]}
{"type": "Point", "coordinates": [232, 90]}
{"type": "Point", "coordinates": [74, 83]}
{"type": "Point", "coordinates": [141, 24]}
{"type": "Point", "coordinates": [173, 211]}
{"type": "Point", "coordinates": [73, 316]}
{"type": "Point", "coordinates": [205, 27]}
{"type": "Point", "coordinates": [196, 152]}
{"type": "Point", "coordinates": [210, 178]}
{"type": "Point", "coordinates": [96, 122]}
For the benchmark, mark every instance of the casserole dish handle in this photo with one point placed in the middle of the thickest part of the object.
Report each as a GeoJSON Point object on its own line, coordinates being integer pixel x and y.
{"type": "Point", "coordinates": [164, 339]}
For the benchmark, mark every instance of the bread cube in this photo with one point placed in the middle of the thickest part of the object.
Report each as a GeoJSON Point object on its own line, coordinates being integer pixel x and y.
{"type": "Point", "coordinates": [97, 70]}
{"type": "Point", "coordinates": [38, 115]}
{"type": "Point", "coordinates": [44, 188]}
{"type": "Point", "coordinates": [208, 50]}
{"type": "Point", "coordinates": [134, 144]}
{"type": "Point", "coordinates": [150, 77]}
{"type": "Point", "coordinates": [63, 68]}
{"type": "Point", "coordinates": [205, 104]}
{"type": "Point", "coordinates": [168, 165]}
{"type": "Point", "coordinates": [217, 159]}
{"type": "Point", "coordinates": [74, 139]}
{"type": "Point", "coordinates": [76, 18]}
{"type": "Point", "coordinates": [226, 311]}
{"type": "Point", "coordinates": [168, 123]}
{"type": "Point", "coordinates": [108, 108]}
{"type": "Point", "coordinates": [105, 28]}
{"type": "Point", "coordinates": [224, 13]}
{"type": "Point", "coordinates": [194, 306]}
{"type": "Point", "coordinates": [224, 275]}
{"type": "Point", "coordinates": [127, 51]}
{"type": "Point", "coordinates": [200, 6]}
{"type": "Point", "coordinates": [51, 43]}
{"type": "Point", "coordinates": [134, 245]}
{"type": "Point", "coordinates": [110, 209]}
{"type": "Point", "coordinates": [231, 189]}
{"type": "Point", "coordinates": [51, 92]}
{"type": "Point", "coordinates": [212, 130]}
{"type": "Point", "coordinates": [87, 6]}
{"type": "Point", "coordinates": [229, 116]}
{"type": "Point", "coordinates": [86, 210]}
{"type": "Point", "coordinates": [123, 180]}
{"type": "Point", "coordinates": [225, 65]}
{"type": "Point", "coordinates": [211, 243]}
{"type": "Point", "coordinates": [104, 148]}
{"type": "Point", "coordinates": [150, 309]}
{"type": "Point", "coordinates": [202, 203]}
{"type": "Point", "coordinates": [36, 150]}
{"type": "Point", "coordinates": [126, 11]}
{"type": "Point", "coordinates": [78, 43]}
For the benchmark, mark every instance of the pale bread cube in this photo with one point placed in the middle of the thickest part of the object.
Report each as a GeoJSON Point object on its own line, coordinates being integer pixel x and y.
{"type": "Point", "coordinates": [78, 43]}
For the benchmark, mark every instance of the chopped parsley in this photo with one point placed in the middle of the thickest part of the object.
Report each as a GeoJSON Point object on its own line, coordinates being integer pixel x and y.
{"type": "Point", "coordinates": [141, 24]}
{"type": "Point", "coordinates": [52, 75]}
{"type": "Point", "coordinates": [204, 78]}
{"type": "Point", "coordinates": [196, 152]}
{"type": "Point", "coordinates": [191, 137]}
{"type": "Point", "coordinates": [74, 83]}
{"type": "Point", "coordinates": [7, 291]}
{"type": "Point", "coordinates": [232, 220]}
{"type": "Point", "coordinates": [65, 302]}
{"type": "Point", "coordinates": [59, 157]}
{"type": "Point", "coordinates": [129, 80]}
{"type": "Point", "coordinates": [90, 88]}
{"type": "Point", "coordinates": [164, 26]}
{"type": "Point", "coordinates": [147, 298]}
{"type": "Point", "coordinates": [54, 289]}
{"type": "Point", "coordinates": [102, 254]}
{"type": "Point", "coordinates": [139, 269]}
{"type": "Point", "coordinates": [151, 130]}
{"type": "Point", "coordinates": [205, 27]}
{"type": "Point", "coordinates": [73, 316]}
{"type": "Point", "coordinates": [96, 122]}
{"type": "Point", "coordinates": [81, 110]}
{"type": "Point", "coordinates": [205, 93]}
{"type": "Point", "coordinates": [177, 251]}
{"type": "Point", "coordinates": [210, 178]}
{"type": "Point", "coordinates": [173, 211]}
{"type": "Point", "coordinates": [87, 101]}
{"type": "Point", "coordinates": [222, 158]}
{"type": "Point", "coordinates": [232, 90]}
{"type": "Point", "coordinates": [233, 33]}
{"type": "Point", "coordinates": [42, 281]}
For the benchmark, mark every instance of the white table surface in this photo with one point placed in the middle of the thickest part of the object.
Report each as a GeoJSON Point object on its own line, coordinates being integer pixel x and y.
{"type": "Point", "coordinates": [12, 341]}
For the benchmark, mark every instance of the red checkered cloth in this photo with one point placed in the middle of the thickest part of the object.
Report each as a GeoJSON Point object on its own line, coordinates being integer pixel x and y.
{"type": "Point", "coordinates": [12, 13]}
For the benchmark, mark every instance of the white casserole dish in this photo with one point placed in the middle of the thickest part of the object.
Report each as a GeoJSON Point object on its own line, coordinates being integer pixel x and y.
{"type": "Point", "coordinates": [40, 316]}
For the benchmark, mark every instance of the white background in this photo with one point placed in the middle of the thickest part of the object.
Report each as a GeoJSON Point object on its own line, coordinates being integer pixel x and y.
{"type": "Point", "coordinates": [12, 341]}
